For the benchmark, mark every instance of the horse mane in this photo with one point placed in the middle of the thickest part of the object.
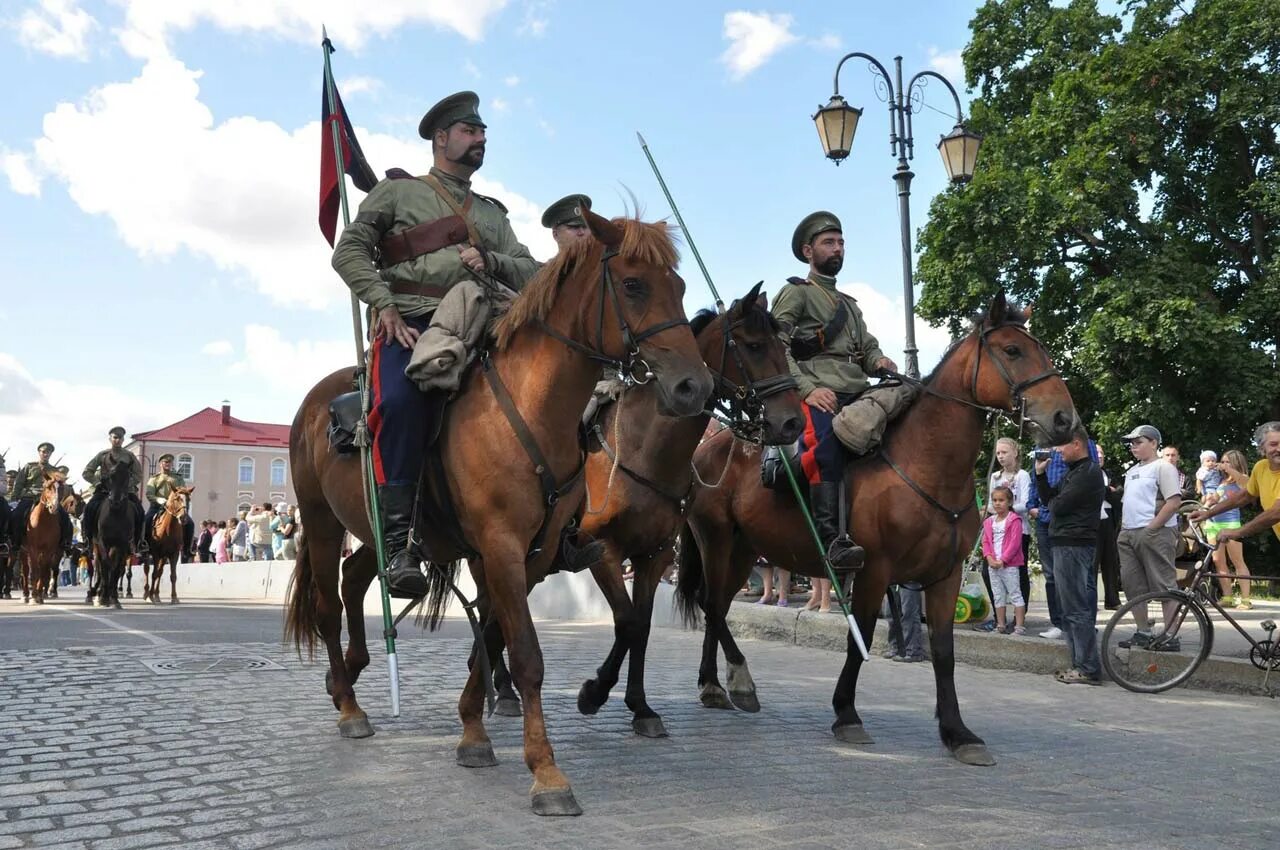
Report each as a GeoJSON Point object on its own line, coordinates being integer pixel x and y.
{"type": "Point", "coordinates": [1014, 315]}
{"type": "Point", "coordinates": [757, 319]}
{"type": "Point", "coordinates": [645, 242]}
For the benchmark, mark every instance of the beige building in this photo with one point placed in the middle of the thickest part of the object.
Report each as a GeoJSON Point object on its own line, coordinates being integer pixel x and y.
{"type": "Point", "coordinates": [232, 463]}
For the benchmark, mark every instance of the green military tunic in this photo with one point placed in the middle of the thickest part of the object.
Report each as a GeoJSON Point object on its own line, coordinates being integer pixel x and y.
{"type": "Point", "coordinates": [30, 480]}
{"type": "Point", "coordinates": [160, 485]}
{"type": "Point", "coordinates": [397, 204]}
{"type": "Point", "coordinates": [93, 471]}
{"type": "Point", "coordinates": [843, 366]}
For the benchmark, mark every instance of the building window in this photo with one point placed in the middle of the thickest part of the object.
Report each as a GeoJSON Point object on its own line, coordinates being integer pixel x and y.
{"type": "Point", "coordinates": [277, 472]}
{"type": "Point", "coordinates": [242, 508]}
{"type": "Point", "coordinates": [246, 470]}
{"type": "Point", "coordinates": [186, 467]}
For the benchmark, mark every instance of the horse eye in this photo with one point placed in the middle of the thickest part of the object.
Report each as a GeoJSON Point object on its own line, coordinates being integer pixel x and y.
{"type": "Point", "coordinates": [1012, 350]}
{"type": "Point", "coordinates": [633, 286]}
{"type": "Point", "coordinates": [755, 347]}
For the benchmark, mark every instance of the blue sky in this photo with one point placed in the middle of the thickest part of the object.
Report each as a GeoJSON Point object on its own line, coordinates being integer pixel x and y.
{"type": "Point", "coordinates": [160, 170]}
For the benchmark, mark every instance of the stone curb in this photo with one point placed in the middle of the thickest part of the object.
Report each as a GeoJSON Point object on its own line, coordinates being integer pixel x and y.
{"type": "Point", "coordinates": [981, 649]}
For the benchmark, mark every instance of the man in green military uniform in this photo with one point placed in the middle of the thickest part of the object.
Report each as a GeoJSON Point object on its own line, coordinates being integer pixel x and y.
{"type": "Point", "coordinates": [92, 476]}
{"type": "Point", "coordinates": [413, 239]}
{"type": "Point", "coordinates": [566, 221]}
{"type": "Point", "coordinates": [159, 486]}
{"type": "Point", "coordinates": [831, 353]}
{"type": "Point", "coordinates": [27, 485]}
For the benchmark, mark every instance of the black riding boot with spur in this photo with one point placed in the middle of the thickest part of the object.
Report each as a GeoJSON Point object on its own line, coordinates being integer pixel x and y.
{"type": "Point", "coordinates": [405, 579]}
{"type": "Point", "coordinates": [845, 555]}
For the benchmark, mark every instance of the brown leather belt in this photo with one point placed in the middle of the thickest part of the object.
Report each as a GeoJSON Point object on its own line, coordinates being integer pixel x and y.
{"type": "Point", "coordinates": [422, 239]}
{"type": "Point", "coordinates": [413, 287]}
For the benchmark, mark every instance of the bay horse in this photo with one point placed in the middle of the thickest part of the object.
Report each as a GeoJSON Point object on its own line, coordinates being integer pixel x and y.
{"type": "Point", "coordinates": [913, 508]}
{"type": "Point", "coordinates": [40, 549]}
{"type": "Point", "coordinates": [165, 542]}
{"type": "Point", "coordinates": [614, 298]}
{"type": "Point", "coordinates": [637, 507]}
{"type": "Point", "coordinates": [114, 536]}
{"type": "Point", "coordinates": [7, 559]}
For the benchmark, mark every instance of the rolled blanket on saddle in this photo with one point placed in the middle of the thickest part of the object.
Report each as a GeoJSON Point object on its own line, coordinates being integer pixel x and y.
{"type": "Point", "coordinates": [458, 328]}
{"type": "Point", "coordinates": [860, 426]}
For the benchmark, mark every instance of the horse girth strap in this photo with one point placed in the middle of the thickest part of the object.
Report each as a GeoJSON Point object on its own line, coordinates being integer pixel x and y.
{"type": "Point", "coordinates": [551, 492]}
{"type": "Point", "coordinates": [953, 516]}
{"type": "Point", "coordinates": [680, 501]}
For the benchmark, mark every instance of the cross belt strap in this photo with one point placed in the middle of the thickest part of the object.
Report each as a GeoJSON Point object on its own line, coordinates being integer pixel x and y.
{"type": "Point", "coordinates": [424, 238]}
{"type": "Point", "coordinates": [460, 210]}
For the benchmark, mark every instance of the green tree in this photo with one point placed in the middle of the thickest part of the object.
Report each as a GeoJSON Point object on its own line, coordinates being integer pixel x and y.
{"type": "Point", "coordinates": [1129, 186]}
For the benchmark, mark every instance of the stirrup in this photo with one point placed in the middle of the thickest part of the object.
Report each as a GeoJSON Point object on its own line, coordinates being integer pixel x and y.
{"type": "Point", "coordinates": [845, 555]}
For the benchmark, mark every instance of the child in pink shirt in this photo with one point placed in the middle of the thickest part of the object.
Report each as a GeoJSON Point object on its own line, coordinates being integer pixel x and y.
{"type": "Point", "coordinates": [1002, 547]}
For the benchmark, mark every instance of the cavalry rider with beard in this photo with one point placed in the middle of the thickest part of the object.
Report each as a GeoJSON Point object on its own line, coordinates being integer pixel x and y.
{"type": "Point", "coordinates": [413, 239]}
{"type": "Point", "coordinates": [831, 353]}
{"type": "Point", "coordinates": [27, 485]}
{"type": "Point", "coordinates": [93, 475]}
{"type": "Point", "coordinates": [159, 486]}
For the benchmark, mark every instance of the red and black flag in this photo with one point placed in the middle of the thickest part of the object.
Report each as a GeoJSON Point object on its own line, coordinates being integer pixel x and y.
{"type": "Point", "coordinates": [353, 161]}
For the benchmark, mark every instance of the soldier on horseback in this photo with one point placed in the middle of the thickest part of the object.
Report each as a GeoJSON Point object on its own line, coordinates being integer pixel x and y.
{"type": "Point", "coordinates": [413, 239]}
{"type": "Point", "coordinates": [159, 486]}
{"type": "Point", "coordinates": [831, 353]}
{"type": "Point", "coordinates": [564, 219]}
{"type": "Point", "coordinates": [93, 476]}
{"type": "Point", "coordinates": [26, 489]}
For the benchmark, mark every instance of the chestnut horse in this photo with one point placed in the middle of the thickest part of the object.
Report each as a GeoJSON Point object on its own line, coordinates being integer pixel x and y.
{"type": "Point", "coordinates": [113, 538]}
{"type": "Point", "coordinates": [613, 298]}
{"type": "Point", "coordinates": [40, 542]}
{"type": "Point", "coordinates": [165, 544]}
{"type": "Point", "coordinates": [912, 508]}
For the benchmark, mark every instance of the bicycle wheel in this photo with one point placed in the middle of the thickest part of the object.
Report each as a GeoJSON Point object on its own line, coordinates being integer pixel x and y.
{"type": "Point", "coordinates": [1170, 657]}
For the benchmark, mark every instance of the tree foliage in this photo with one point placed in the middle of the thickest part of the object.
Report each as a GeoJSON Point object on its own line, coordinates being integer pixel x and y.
{"type": "Point", "coordinates": [1129, 185]}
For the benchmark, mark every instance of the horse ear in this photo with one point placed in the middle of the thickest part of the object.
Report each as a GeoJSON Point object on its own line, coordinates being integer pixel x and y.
{"type": "Point", "coordinates": [754, 295]}
{"type": "Point", "coordinates": [603, 229]}
{"type": "Point", "coordinates": [999, 310]}
{"type": "Point", "coordinates": [763, 299]}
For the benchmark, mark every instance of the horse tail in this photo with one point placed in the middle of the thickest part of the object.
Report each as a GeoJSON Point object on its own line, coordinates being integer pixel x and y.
{"type": "Point", "coordinates": [690, 580]}
{"type": "Point", "coordinates": [301, 621]}
{"type": "Point", "coordinates": [440, 582]}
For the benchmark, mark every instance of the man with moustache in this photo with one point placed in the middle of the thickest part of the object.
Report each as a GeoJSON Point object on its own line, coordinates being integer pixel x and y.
{"type": "Point", "coordinates": [413, 239]}
{"type": "Point", "coordinates": [831, 353]}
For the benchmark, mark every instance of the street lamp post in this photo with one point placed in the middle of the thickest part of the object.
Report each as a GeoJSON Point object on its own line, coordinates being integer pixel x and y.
{"type": "Point", "coordinates": [837, 122]}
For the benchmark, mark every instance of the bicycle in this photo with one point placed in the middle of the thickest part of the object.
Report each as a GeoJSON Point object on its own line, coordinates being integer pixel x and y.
{"type": "Point", "coordinates": [1168, 658]}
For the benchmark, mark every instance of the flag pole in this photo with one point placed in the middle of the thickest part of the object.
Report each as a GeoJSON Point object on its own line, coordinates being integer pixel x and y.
{"type": "Point", "coordinates": [362, 436]}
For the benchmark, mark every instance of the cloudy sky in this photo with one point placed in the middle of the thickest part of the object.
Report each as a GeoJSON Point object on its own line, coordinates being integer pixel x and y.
{"type": "Point", "coordinates": [159, 170]}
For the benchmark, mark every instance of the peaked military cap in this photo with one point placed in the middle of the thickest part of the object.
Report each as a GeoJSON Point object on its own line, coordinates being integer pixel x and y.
{"type": "Point", "coordinates": [463, 106]}
{"type": "Point", "coordinates": [117, 431]}
{"type": "Point", "coordinates": [567, 210]}
{"type": "Point", "coordinates": [809, 228]}
{"type": "Point", "coordinates": [45, 445]}
{"type": "Point", "coordinates": [166, 456]}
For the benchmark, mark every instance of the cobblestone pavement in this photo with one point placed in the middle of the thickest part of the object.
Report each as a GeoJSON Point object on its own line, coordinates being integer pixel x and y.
{"type": "Point", "coordinates": [99, 751]}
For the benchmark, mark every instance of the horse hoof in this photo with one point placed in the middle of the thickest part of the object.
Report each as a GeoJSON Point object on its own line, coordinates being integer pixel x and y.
{"type": "Point", "coordinates": [852, 734]}
{"type": "Point", "coordinates": [745, 701]}
{"type": "Point", "coordinates": [355, 727]}
{"type": "Point", "coordinates": [975, 754]}
{"type": "Point", "coordinates": [713, 697]}
{"type": "Point", "coordinates": [476, 755]}
{"type": "Point", "coordinates": [556, 804]}
{"type": "Point", "coordinates": [508, 707]}
{"type": "Point", "coordinates": [586, 705]}
{"type": "Point", "coordinates": [117, 604]}
{"type": "Point", "coordinates": [128, 594]}
{"type": "Point", "coordinates": [649, 727]}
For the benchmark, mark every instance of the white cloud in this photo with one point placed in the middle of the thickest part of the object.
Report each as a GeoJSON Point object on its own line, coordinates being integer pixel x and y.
{"type": "Point", "coordinates": [753, 39]}
{"type": "Point", "coordinates": [512, 80]}
{"type": "Point", "coordinates": [22, 177]}
{"type": "Point", "coordinates": [150, 23]}
{"type": "Point", "coordinates": [499, 105]}
{"type": "Point", "coordinates": [147, 154]}
{"type": "Point", "coordinates": [33, 409]}
{"type": "Point", "coordinates": [827, 41]}
{"type": "Point", "coordinates": [359, 85]}
{"type": "Point", "coordinates": [289, 366]}
{"type": "Point", "coordinates": [471, 69]}
{"type": "Point", "coordinates": [536, 18]}
{"type": "Point", "coordinates": [949, 64]}
{"type": "Point", "coordinates": [886, 319]}
{"type": "Point", "coordinates": [59, 27]}
{"type": "Point", "coordinates": [217, 348]}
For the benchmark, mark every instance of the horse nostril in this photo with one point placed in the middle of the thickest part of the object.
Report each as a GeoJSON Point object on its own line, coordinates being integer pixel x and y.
{"type": "Point", "coordinates": [685, 390]}
{"type": "Point", "coordinates": [791, 428]}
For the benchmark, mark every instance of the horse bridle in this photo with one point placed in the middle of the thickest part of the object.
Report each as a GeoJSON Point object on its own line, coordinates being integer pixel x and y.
{"type": "Point", "coordinates": [626, 365]}
{"type": "Point", "coordinates": [1016, 388]}
{"type": "Point", "coordinates": [740, 406]}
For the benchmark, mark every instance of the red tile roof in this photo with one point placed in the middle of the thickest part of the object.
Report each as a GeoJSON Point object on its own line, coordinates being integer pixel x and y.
{"type": "Point", "coordinates": [206, 427]}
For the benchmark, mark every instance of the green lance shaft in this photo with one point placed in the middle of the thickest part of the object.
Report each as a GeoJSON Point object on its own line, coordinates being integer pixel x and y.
{"type": "Point", "coordinates": [366, 459]}
{"type": "Point", "coordinates": [680, 220]}
{"type": "Point", "coordinates": [826, 562]}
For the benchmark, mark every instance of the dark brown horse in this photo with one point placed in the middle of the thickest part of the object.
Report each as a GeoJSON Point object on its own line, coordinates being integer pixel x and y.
{"type": "Point", "coordinates": [638, 508]}
{"type": "Point", "coordinates": [165, 540]}
{"type": "Point", "coordinates": [40, 541]}
{"type": "Point", "coordinates": [911, 535]}
{"type": "Point", "coordinates": [580, 309]}
{"type": "Point", "coordinates": [113, 538]}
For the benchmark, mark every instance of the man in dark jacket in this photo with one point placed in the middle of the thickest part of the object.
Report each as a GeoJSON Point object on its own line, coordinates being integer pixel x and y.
{"type": "Point", "coordinates": [1076, 505]}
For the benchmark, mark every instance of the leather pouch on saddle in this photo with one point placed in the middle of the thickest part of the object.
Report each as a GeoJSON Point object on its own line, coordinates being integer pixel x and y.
{"type": "Point", "coordinates": [860, 426]}
{"type": "Point", "coordinates": [344, 418]}
{"type": "Point", "coordinates": [772, 475]}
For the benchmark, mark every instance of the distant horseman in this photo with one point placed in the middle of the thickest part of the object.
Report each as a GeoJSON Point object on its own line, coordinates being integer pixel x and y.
{"type": "Point", "coordinates": [93, 476]}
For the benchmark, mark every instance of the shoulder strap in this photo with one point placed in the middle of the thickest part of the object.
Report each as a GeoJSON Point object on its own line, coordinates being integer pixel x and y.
{"type": "Point", "coordinates": [398, 174]}
{"type": "Point", "coordinates": [459, 210]}
{"type": "Point", "coordinates": [499, 204]}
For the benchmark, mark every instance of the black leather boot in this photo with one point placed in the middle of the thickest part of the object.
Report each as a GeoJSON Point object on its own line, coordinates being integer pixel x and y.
{"type": "Point", "coordinates": [405, 579]}
{"type": "Point", "coordinates": [845, 555]}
